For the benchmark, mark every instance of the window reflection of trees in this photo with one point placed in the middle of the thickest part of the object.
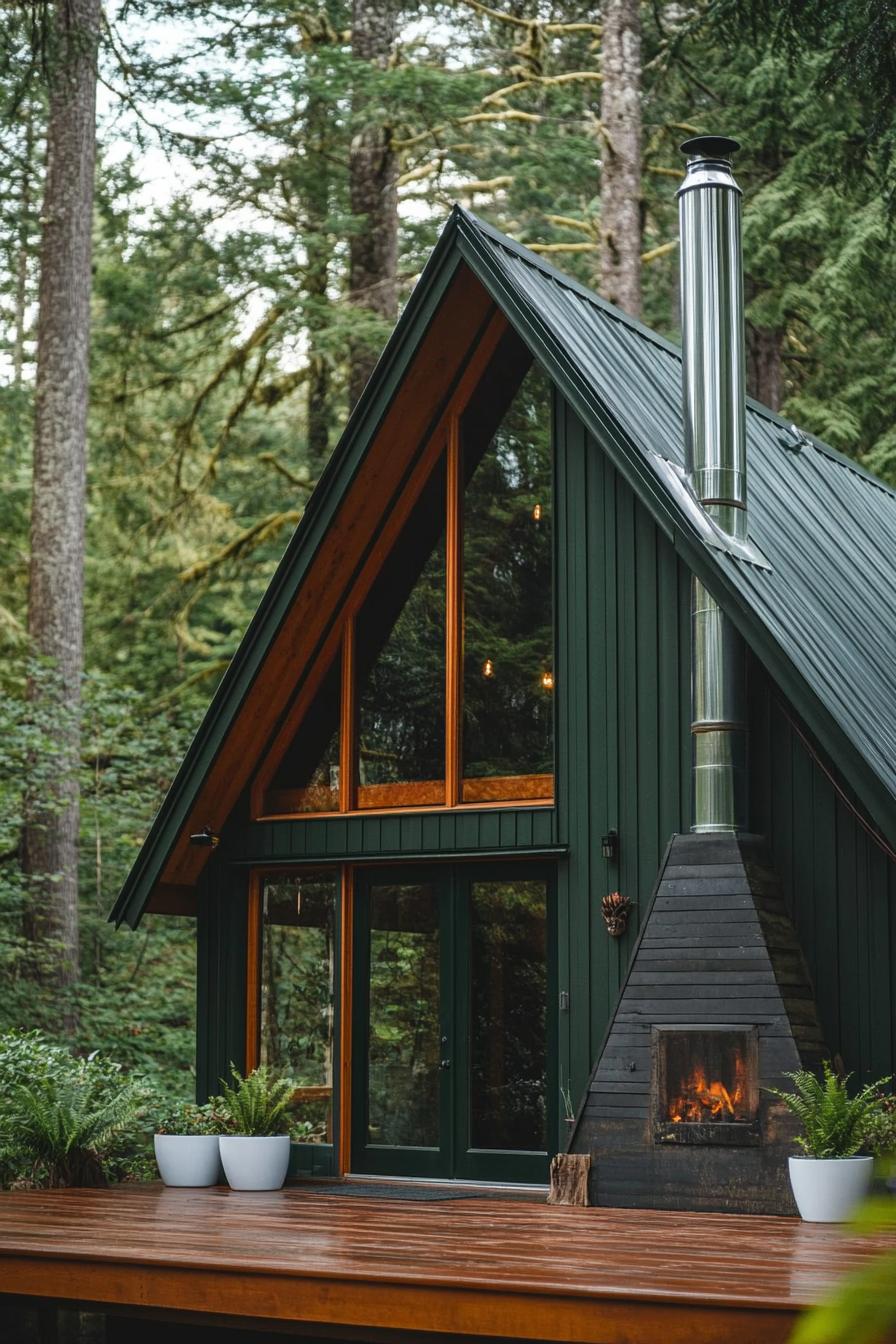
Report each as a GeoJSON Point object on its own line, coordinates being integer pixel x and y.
{"type": "Point", "coordinates": [403, 1077]}
{"type": "Point", "coordinates": [400, 632]}
{"type": "Point", "coordinates": [297, 988]}
{"type": "Point", "coordinates": [508, 581]}
{"type": "Point", "coordinates": [508, 1042]}
{"type": "Point", "coordinates": [400, 658]}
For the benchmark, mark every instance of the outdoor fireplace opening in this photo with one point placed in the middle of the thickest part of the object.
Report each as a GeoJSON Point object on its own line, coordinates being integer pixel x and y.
{"type": "Point", "coordinates": [705, 1085]}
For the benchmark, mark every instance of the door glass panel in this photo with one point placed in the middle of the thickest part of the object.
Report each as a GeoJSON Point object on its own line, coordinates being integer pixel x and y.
{"type": "Point", "coordinates": [400, 665]}
{"type": "Point", "coordinates": [508, 1015]}
{"type": "Point", "coordinates": [298, 969]}
{"type": "Point", "coordinates": [307, 779]}
{"type": "Point", "coordinates": [404, 1024]}
{"type": "Point", "coordinates": [508, 635]}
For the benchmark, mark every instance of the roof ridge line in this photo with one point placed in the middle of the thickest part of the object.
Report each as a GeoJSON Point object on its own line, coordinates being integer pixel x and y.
{"type": "Point", "coordinates": [569, 282]}
{"type": "Point", "coordinates": [531, 258]}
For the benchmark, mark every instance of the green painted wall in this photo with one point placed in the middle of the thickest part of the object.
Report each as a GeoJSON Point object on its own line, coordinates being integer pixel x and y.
{"type": "Point", "coordinates": [221, 929]}
{"type": "Point", "coordinates": [839, 884]}
{"type": "Point", "coordinates": [623, 728]}
{"type": "Point", "coordinates": [396, 836]}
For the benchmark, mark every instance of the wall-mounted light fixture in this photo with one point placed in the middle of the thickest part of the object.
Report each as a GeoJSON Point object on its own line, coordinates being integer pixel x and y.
{"type": "Point", "coordinates": [206, 838]}
{"type": "Point", "coordinates": [609, 845]}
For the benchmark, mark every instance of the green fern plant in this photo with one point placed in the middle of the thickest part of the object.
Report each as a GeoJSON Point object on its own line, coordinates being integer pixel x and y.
{"type": "Point", "coordinates": [65, 1124]}
{"type": "Point", "coordinates": [834, 1123]}
{"type": "Point", "coordinates": [257, 1105]}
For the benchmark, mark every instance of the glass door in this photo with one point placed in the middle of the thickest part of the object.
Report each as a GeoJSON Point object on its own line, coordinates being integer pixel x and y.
{"type": "Point", "coordinates": [506, 1091]}
{"type": "Point", "coordinates": [401, 1096]}
{"type": "Point", "coordinates": [453, 996]}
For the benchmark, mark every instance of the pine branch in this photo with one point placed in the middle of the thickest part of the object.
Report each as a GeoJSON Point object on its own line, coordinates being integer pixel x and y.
{"type": "Point", "coordinates": [244, 541]}
{"type": "Point", "coordinates": [539, 81]}
{"type": "Point", "coordinates": [656, 252]}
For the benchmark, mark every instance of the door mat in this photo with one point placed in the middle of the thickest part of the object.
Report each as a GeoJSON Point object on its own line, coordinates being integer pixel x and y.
{"type": "Point", "coordinates": [417, 1193]}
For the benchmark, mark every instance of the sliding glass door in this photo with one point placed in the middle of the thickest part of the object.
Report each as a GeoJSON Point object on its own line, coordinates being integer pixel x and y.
{"type": "Point", "coordinates": [453, 1019]}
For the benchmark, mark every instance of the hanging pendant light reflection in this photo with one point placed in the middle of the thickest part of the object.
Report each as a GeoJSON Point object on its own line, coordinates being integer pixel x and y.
{"type": "Point", "coordinates": [547, 679]}
{"type": "Point", "coordinates": [488, 668]}
{"type": "Point", "coordinates": [536, 514]}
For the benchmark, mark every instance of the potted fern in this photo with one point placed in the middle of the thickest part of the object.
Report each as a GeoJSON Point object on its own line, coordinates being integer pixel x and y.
{"type": "Point", "coordinates": [831, 1177]}
{"type": "Point", "coordinates": [186, 1144]}
{"type": "Point", "coordinates": [255, 1150]}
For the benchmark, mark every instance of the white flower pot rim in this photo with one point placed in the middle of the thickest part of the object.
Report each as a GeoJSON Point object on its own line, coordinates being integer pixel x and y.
{"type": "Point", "coordinates": [853, 1157]}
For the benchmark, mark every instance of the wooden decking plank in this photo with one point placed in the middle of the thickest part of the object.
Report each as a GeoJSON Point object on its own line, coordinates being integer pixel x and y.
{"type": "Point", "coordinates": [474, 1266]}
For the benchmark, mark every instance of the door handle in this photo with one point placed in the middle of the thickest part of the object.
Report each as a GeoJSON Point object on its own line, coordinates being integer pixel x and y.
{"type": "Point", "coordinates": [444, 1064]}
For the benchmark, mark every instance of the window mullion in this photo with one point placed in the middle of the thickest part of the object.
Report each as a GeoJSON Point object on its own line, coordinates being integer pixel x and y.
{"type": "Point", "coordinates": [453, 615]}
{"type": "Point", "coordinates": [348, 734]}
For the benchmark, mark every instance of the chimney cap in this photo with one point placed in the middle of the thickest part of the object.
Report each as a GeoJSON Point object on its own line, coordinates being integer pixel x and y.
{"type": "Point", "coordinates": [710, 147]}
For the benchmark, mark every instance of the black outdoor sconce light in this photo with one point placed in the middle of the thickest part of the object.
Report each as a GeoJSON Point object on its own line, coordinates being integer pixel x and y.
{"type": "Point", "coordinates": [609, 845]}
{"type": "Point", "coordinates": [206, 838]}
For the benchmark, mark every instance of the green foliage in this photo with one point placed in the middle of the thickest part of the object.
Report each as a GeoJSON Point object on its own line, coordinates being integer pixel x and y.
{"type": "Point", "coordinates": [880, 1132]}
{"type": "Point", "coordinates": [834, 1123]}
{"type": "Point", "coordinates": [188, 1118]}
{"type": "Point", "coordinates": [258, 1104]}
{"type": "Point", "coordinates": [73, 1122]}
{"type": "Point", "coordinates": [862, 1310]}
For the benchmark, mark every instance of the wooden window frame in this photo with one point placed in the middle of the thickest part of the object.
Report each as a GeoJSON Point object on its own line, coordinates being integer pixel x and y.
{"type": "Point", "coordinates": [453, 792]}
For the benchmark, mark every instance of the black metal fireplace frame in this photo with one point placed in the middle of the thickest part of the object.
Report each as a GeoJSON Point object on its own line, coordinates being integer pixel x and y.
{"type": "Point", "coordinates": [724, 1133]}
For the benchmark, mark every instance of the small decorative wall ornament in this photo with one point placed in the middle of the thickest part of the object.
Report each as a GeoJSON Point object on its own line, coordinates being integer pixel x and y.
{"type": "Point", "coordinates": [615, 909]}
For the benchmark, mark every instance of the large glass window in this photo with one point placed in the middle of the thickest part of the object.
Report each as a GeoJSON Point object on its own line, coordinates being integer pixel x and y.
{"type": "Point", "coordinates": [298, 979]}
{"type": "Point", "coordinates": [508, 634]}
{"type": "Point", "coordinates": [400, 666]}
{"type": "Point", "coordinates": [445, 691]}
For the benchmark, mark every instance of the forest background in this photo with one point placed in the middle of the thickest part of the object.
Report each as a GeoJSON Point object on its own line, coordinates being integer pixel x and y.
{"type": "Point", "coordinates": [236, 230]}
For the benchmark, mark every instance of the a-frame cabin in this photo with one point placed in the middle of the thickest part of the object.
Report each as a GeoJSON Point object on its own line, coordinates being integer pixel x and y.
{"type": "Point", "coordinates": [462, 716]}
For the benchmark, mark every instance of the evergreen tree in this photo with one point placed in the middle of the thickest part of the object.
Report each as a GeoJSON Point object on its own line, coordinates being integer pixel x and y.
{"type": "Point", "coordinates": [56, 574]}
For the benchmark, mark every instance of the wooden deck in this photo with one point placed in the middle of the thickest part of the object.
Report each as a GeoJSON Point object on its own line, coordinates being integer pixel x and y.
{"type": "Point", "coordinates": [471, 1267]}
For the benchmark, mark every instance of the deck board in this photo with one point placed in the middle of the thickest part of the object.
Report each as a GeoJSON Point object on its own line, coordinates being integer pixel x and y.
{"type": "Point", "coordinates": [471, 1266]}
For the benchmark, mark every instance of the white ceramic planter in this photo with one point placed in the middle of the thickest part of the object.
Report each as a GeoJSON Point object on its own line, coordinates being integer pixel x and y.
{"type": "Point", "coordinates": [188, 1159]}
{"type": "Point", "coordinates": [828, 1189]}
{"type": "Point", "coordinates": [255, 1164]}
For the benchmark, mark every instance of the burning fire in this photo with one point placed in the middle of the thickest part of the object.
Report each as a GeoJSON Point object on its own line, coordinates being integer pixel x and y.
{"type": "Point", "coordinates": [702, 1101]}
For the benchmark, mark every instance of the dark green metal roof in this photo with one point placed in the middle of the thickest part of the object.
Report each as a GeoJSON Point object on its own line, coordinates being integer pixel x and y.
{"type": "Point", "coordinates": [822, 617]}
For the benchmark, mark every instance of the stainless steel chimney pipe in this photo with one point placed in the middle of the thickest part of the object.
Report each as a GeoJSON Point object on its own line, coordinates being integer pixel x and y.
{"type": "Point", "coordinates": [714, 395]}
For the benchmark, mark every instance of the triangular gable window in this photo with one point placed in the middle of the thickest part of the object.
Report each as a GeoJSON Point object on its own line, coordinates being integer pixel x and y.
{"type": "Point", "coordinates": [441, 693]}
{"type": "Point", "coordinates": [400, 666]}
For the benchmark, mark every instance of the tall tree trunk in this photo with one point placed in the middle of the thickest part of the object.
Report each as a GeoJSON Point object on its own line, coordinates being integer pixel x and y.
{"type": "Point", "coordinates": [764, 373]}
{"type": "Point", "coordinates": [620, 185]}
{"type": "Point", "coordinates": [21, 290]}
{"type": "Point", "coordinates": [373, 171]}
{"type": "Point", "coordinates": [317, 276]}
{"type": "Point", "coordinates": [56, 579]}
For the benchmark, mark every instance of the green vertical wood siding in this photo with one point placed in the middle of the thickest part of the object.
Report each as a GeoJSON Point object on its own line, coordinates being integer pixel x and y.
{"type": "Point", "coordinates": [407, 835]}
{"type": "Point", "coordinates": [839, 884]}
{"type": "Point", "coordinates": [623, 722]}
{"type": "Point", "coordinates": [221, 930]}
